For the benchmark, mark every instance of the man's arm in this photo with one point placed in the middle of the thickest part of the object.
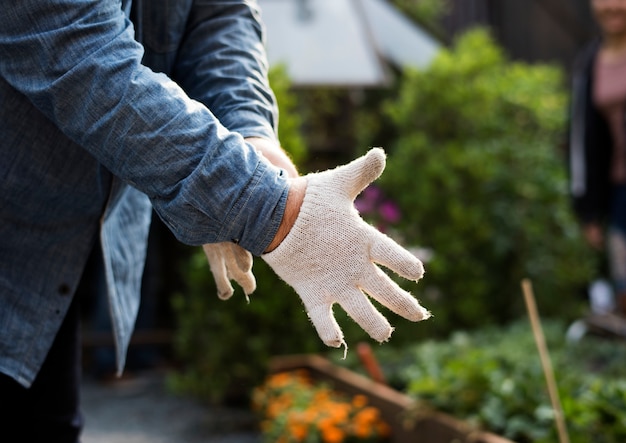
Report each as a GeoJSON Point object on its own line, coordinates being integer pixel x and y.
{"type": "Point", "coordinates": [297, 186]}
{"type": "Point", "coordinates": [78, 63]}
{"type": "Point", "coordinates": [297, 189]}
{"type": "Point", "coordinates": [223, 64]}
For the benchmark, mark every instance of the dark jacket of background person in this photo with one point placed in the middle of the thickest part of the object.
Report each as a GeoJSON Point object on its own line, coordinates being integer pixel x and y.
{"type": "Point", "coordinates": [590, 144]}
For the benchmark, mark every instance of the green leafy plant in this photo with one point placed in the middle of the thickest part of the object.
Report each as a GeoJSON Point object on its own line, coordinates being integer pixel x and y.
{"type": "Point", "coordinates": [493, 379]}
{"type": "Point", "coordinates": [479, 180]}
{"type": "Point", "coordinates": [426, 12]}
{"type": "Point", "coordinates": [290, 121]}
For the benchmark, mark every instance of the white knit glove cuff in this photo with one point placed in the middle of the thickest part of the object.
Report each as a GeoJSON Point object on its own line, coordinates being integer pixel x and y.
{"type": "Point", "coordinates": [330, 253]}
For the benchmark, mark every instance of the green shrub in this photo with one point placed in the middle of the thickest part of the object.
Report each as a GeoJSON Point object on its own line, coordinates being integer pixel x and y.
{"type": "Point", "coordinates": [429, 13]}
{"type": "Point", "coordinates": [290, 122]}
{"type": "Point", "coordinates": [477, 174]}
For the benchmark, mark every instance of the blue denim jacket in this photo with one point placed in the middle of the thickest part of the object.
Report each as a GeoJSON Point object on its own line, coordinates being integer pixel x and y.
{"type": "Point", "coordinates": [95, 131]}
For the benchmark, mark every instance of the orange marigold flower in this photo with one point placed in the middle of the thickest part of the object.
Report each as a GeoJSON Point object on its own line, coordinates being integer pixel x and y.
{"type": "Point", "coordinates": [369, 414]}
{"type": "Point", "coordinates": [298, 431]}
{"type": "Point", "coordinates": [383, 429]}
{"type": "Point", "coordinates": [325, 423]}
{"type": "Point", "coordinates": [332, 434]}
{"type": "Point", "coordinates": [296, 410]}
{"type": "Point", "coordinates": [322, 395]}
{"type": "Point", "coordinates": [361, 430]}
{"type": "Point", "coordinates": [339, 411]}
{"type": "Point", "coordinates": [279, 379]}
{"type": "Point", "coordinates": [359, 401]}
{"type": "Point", "coordinates": [365, 421]}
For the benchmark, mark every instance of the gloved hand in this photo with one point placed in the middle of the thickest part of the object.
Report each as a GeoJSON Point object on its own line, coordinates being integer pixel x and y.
{"type": "Point", "coordinates": [330, 253]}
{"type": "Point", "coordinates": [229, 261]}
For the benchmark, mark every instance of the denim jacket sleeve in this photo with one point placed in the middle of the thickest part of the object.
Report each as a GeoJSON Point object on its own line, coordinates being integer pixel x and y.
{"type": "Point", "coordinates": [78, 63]}
{"type": "Point", "coordinates": [222, 63]}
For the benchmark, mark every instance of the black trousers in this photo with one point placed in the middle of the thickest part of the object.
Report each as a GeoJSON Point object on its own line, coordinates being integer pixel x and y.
{"type": "Point", "coordinates": [49, 411]}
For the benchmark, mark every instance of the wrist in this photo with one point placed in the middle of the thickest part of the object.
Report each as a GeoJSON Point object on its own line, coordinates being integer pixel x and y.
{"type": "Point", "coordinates": [295, 197]}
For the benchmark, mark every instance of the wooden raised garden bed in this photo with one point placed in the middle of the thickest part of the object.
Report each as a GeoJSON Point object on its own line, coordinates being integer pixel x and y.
{"type": "Point", "coordinates": [398, 409]}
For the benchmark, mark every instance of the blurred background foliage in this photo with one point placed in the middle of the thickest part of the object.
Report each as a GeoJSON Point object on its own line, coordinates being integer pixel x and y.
{"type": "Point", "coordinates": [475, 170]}
{"type": "Point", "coordinates": [493, 379]}
{"type": "Point", "coordinates": [427, 13]}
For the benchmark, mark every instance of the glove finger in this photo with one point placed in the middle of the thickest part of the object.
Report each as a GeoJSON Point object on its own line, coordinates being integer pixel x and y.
{"type": "Point", "coordinates": [380, 287]}
{"type": "Point", "coordinates": [244, 279]}
{"type": "Point", "coordinates": [219, 271]}
{"type": "Point", "coordinates": [326, 326]}
{"type": "Point", "coordinates": [358, 174]}
{"type": "Point", "coordinates": [362, 311]}
{"type": "Point", "coordinates": [387, 252]}
{"type": "Point", "coordinates": [239, 268]}
{"type": "Point", "coordinates": [243, 258]}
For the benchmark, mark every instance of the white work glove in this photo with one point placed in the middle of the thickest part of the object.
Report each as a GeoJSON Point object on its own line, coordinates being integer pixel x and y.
{"type": "Point", "coordinates": [330, 253]}
{"type": "Point", "coordinates": [229, 261]}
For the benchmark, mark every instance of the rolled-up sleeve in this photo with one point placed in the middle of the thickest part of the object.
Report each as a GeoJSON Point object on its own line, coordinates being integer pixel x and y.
{"type": "Point", "coordinates": [78, 63]}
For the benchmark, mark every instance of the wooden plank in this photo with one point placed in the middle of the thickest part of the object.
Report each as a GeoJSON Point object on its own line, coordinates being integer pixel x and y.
{"type": "Point", "coordinates": [410, 422]}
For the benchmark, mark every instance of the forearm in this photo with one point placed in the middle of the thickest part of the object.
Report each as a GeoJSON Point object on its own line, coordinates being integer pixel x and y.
{"type": "Point", "coordinates": [78, 63]}
{"type": "Point", "coordinates": [297, 189]}
{"type": "Point", "coordinates": [223, 64]}
{"type": "Point", "coordinates": [297, 186]}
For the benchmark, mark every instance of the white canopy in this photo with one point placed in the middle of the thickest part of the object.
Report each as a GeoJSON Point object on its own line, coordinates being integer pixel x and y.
{"type": "Point", "coordinates": [342, 42]}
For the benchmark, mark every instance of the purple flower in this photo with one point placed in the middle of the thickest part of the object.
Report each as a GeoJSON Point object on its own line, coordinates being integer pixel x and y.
{"type": "Point", "coordinates": [380, 210]}
{"type": "Point", "coordinates": [364, 206]}
{"type": "Point", "coordinates": [366, 203]}
{"type": "Point", "coordinates": [372, 193]}
{"type": "Point", "coordinates": [389, 211]}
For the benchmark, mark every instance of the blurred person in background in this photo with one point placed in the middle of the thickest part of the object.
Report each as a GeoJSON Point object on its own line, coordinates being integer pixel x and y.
{"type": "Point", "coordinates": [597, 144]}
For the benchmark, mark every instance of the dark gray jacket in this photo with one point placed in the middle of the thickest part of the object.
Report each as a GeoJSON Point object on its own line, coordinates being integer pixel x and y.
{"type": "Point", "coordinates": [590, 144]}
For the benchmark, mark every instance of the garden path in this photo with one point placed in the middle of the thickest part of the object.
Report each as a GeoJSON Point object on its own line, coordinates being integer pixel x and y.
{"type": "Point", "coordinates": [142, 410]}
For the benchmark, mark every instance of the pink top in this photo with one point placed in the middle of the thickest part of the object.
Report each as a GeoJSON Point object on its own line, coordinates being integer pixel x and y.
{"type": "Point", "coordinates": [609, 95]}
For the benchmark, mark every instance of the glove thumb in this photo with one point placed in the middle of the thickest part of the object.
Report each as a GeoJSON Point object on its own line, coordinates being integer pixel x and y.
{"type": "Point", "coordinates": [355, 176]}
